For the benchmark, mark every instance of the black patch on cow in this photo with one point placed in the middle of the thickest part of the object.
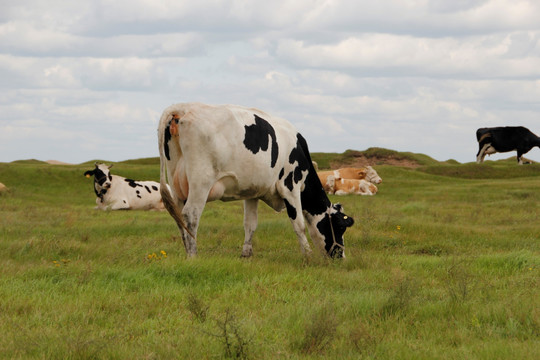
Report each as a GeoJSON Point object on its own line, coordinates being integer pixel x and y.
{"type": "Point", "coordinates": [99, 176]}
{"type": "Point", "coordinates": [281, 173]}
{"type": "Point", "coordinates": [166, 139]}
{"type": "Point", "coordinates": [313, 197]}
{"type": "Point", "coordinates": [291, 210]}
{"type": "Point", "coordinates": [148, 189]}
{"type": "Point", "coordinates": [138, 194]}
{"type": "Point", "coordinates": [154, 187]}
{"type": "Point", "coordinates": [256, 138]}
{"type": "Point", "coordinates": [324, 228]}
{"type": "Point", "coordinates": [132, 183]}
{"type": "Point", "coordinates": [289, 181]}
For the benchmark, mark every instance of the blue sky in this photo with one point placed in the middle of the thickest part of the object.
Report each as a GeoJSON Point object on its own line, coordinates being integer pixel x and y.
{"type": "Point", "coordinates": [88, 80]}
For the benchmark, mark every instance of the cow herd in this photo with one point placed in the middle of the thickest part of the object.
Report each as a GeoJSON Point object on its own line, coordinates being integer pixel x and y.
{"type": "Point", "coordinates": [230, 152]}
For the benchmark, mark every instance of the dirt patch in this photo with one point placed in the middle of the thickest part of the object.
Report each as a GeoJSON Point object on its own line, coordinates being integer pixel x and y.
{"type": "Point", "coordinates": [56, 162]}
{"type": "Point", "coordinates": [362, 161]}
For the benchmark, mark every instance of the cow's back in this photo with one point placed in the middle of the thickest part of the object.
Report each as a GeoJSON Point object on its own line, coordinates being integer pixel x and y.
{"type": "Point", "coordinates": [352, 173]}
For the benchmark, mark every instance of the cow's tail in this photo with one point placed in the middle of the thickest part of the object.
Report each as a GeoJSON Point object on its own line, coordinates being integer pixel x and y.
{"type": "Point", "coordinates": [163, 140]}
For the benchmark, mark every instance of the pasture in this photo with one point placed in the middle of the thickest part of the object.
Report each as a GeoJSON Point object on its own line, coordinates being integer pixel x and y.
{"type": "Point", "coordinates": [443, 263]}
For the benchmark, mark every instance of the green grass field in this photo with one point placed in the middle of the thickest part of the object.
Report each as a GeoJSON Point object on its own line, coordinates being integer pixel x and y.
{"type": "Point", "coordinates": [443, 263]}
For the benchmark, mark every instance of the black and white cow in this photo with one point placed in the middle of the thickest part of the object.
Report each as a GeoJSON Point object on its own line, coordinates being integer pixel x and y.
{"type": "Point", "coordinates": [230, 152]}
{"type": "Point", "coordinates": [118, 193]}
{"type": "Point", "coordinates": [504, 139]}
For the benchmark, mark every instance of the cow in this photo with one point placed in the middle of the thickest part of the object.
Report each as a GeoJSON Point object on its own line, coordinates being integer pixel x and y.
{"type": "Point", "coordinates": [504, 139]}
{"type": "Point", "coordinates": [118, 193]}
{"type": "Point", "coordinates": [230, 152]}
{"type": "Point", "coordinates": [367, 173]}
{"type": "Point", "coordinates": [342, 186]}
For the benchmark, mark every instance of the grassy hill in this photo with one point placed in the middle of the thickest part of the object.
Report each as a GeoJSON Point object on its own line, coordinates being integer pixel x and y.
{"type": "Point", "coordinates": [441, 264]}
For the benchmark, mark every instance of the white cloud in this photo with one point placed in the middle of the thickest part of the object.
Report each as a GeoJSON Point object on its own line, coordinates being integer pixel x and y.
{"type": "Point", "coordinates": [480, 56]}
{"type": "Point", "coordinates": [89, 79]}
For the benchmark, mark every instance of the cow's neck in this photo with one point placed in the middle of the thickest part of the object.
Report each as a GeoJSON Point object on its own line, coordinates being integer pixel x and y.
{"type": "Point", "coordinates": [314, 198]}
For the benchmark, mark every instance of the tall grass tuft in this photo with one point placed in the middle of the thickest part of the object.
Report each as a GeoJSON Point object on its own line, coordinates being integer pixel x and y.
{"type": "Point", "coordinates": [197, 308]}
{"type": "Point", "coordinates": [319, 331]}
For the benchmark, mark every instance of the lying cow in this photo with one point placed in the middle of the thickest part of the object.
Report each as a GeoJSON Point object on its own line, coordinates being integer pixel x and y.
{"type": "Point", "coordinates": [350, 186]}
{"type": "Point", "coordinates": [118, 193]}
{"type": "Point", "coordinates": [230, 152]}
{"type": "Point", "coordinates": [504, 139]}
{"type": "Point", "coordinates": [368, 173]}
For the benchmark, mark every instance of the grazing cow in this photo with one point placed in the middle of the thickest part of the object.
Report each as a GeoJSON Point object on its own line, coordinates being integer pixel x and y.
{"type": "Point", "coordinates": [229, 152]}
{"type": "Point", "coordinates": [350, 186]}
{"type": "Point", "coordinates": [504, 139]}
{"type": "Point", "coordinates": [118, 193]}
{"type": "Point", "coordinates": [367, 173]}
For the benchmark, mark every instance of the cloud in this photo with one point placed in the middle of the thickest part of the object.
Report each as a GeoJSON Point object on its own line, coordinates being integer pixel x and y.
{"type": "Point", "coordinates": [89, 79]}
{"type": "Point", "coordinates": [501, 56]}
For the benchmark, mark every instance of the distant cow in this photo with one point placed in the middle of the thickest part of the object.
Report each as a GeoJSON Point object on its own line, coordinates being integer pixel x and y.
{"type": "Point", "coordinates": [118, 193]}
{"type": "Point", "coordinates": [350, 186]}
{"type": "Point", "coordinates": [358, 173]}
{"type": "Point", "coordinates": [504, 139]}
{"type": "Point", "coordinates": [229, 152]}
{"type": "Point", "coordinates": [367, 173]}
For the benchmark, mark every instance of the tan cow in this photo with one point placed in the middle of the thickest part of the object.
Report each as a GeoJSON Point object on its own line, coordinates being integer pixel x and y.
{"type": "Point", "coordinates": [368, 173]}
{"type": "Point", "coordinates": [350, 186]}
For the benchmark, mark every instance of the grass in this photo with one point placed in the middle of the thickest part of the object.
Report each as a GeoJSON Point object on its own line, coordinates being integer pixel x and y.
{"type": "Point", "coordinates": [441, 264]}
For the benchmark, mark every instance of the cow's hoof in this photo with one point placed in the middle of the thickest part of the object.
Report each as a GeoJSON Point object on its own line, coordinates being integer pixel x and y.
{"type": "Point", "coordinates": [247, 253]}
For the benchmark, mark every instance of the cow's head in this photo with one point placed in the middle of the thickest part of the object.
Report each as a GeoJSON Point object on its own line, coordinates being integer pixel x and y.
{"type": "Point", "coordinates": [102, 178]}
{"type": "Point", "coordinates": [372, 176]}
{"type": "Point", "coordinates": [333, 226]}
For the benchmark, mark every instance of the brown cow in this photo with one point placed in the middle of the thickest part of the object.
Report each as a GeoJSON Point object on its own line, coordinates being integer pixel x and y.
{"type": "Point", "coordinates": [350, 186]}
{"type": "Point", "coordinates": [368, 173]}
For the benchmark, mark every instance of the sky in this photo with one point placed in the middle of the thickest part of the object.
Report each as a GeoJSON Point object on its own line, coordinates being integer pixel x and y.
{"type": "Point", "coordinates": [88, 79]}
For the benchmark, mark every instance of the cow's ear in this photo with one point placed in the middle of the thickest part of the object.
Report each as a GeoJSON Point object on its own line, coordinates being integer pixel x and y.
{"type": "Point", "coordinates": [110, 166]}
{"type": "Point", "coordinates": [89, 173]}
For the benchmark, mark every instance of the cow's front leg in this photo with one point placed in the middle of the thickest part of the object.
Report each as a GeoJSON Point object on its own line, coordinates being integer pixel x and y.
{"type": "Point", "coordinates": [250, 224]}
{"type": "Point", "coordinates": [520, 157]}
{"type": "Point", "coordinates": [294, 210]}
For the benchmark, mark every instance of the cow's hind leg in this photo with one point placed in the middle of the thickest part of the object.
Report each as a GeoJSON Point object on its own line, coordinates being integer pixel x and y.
{"type": "Point", "coordinates": [250, 224]}
{"type": "Point", "coordinates": [482, 152]}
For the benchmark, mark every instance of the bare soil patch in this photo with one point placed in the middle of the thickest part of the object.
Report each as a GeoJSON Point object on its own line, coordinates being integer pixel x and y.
{"type": "Point", "coordinates": [56, 162]}
{"type": "Point", "coordinates": [362, 161]}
